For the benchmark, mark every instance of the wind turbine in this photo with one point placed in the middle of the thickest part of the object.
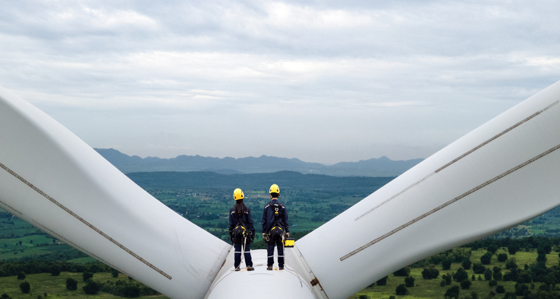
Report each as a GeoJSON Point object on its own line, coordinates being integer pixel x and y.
{"type": "Point", "coordinates": [497, 176]}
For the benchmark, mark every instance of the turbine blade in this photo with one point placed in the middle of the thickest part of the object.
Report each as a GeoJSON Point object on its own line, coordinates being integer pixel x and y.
{"type": "Point", "coordinates": [55, 181]}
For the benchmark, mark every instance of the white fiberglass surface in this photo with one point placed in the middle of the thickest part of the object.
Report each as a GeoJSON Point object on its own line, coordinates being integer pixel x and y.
{"type": "Point", "coordinates": [53, 180]}
{"type": "Point", "coordinates": [261, 283]}
{"type": "Point", "coordinates": [501, 174]}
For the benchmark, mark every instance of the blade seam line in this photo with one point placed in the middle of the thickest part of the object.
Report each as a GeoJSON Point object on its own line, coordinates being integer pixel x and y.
{"type": "Point", "coordinates": [460, 157]}
{"type": "Point", "coordinates": [473, 190]}
{"type": "Point", "coordinates": [17, 176]}
{"type": "Point", "coordinates": [10, 207]}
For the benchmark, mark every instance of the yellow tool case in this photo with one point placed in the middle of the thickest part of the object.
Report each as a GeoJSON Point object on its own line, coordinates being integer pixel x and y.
{"type": "Point", "coordinates": [289, 242]}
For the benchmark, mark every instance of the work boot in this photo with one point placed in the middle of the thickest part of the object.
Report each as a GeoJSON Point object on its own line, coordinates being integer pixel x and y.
{"type": "Point", "coordinates": [280, 268]}
{"type": "Point", "coordinates": [237, 269]}
{"type": "Point", "coordinates": [250, 268]}
{"type": "Point", "coordinates": [269, 268]}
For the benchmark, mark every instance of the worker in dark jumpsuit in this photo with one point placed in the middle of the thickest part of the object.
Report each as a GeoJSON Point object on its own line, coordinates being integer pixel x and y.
{"type": "Point", "coordinates": [241, 214]}
{"type": "Point", "coordinates": [275, 227]}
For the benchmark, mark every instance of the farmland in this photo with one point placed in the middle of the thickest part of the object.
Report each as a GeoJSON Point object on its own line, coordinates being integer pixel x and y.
{"type": "Point", "coordinates": [205, 199]}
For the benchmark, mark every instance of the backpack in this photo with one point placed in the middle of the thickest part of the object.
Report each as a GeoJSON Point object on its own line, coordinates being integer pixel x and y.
{"type": "Point", "coordinates": [240, 231]}
{"type": "Point", "coordinates": [276, 231]}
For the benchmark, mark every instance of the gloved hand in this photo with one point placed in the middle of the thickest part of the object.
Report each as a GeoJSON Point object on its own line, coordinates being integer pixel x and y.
{"type": "Point", "coordinates": [250, 237]}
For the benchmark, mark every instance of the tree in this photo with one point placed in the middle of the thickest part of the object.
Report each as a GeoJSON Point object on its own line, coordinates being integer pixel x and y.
{"type": "Point", "coordinates": [524, 276]}
{"type": "Point", "coordinates": [521, 289]}
{"type": "Point", "coordinates": [447, 279]}
{"type": "Point", "coordinates": [542, 249]}
{"type": "Point", "coordinates": [87, 276]}
{"type": "Point", "coordinates": [442, 283]}
{"type": "Point", "coordinates": [409, 281]}
{"type": "Point", "coordinates": [21, 276]}
{"type": "Point", "coordinates": [363, 297]}
{"type": "Point", "coordinates": [473, 278]}
{"type": "Point", "coordinates": [478, 268]}
{"type": "Point", "coordinates": [446, 264]}
{"type": "Point", "coordinates": [452, 292]}
{"type": "Point", "coordinates": [493, 283]}
{"type": "Point", "coordinates": [401, 290]}
{"type": "Point", "coordinates": [500, 289]}
{"type": "Point", "coordinates": [493, 248]}
{"type": "Point", "coordinates": [402, 272]}
{"type": "Point", "coordinates": [25, 287]}
{"type": "Point", "coordinates": [430, 273]}
{"type": "Point", "coordinates": [91, 287]}
{"type": "Point", "coordinates": [5, 296]}
{"type": "Point", "coordinates": [510, 295]}
{"type": "Point", "coordinates": [465, 284]}
{"type": "Point", "coordinates": [512, 275]}
{"type": "Point", "coordinates": [511, 264]}
{"type": "Point", "coordinates": [383, 281]}
{"type": "Point", "coordinates": [71, 284]}
{"type": "Point", "coordinates": [115, 273]}
{"type": "Point", "coordinates": [132, 291]}
{"type": "Point", "coordinates": [502, 257]}
{"type": "Point", "coordinates": [541, 257]}
{"type": "Point", "coordinates": [466, 264]}
{"type": "Point", "coordinates": [513, 248]}
{"type": "Point", "coordinates": [486, 258]}
{"type": "Point", "coordinates": [55, 270]}
{"type": "Point", "coordinates": [461, 275]}
{"type": "Point", "coordinates": [497, 275]}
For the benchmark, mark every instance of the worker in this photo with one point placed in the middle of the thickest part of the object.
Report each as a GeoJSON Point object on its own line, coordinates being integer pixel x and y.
{"type": "Point", "coordinates": [275, 227]}
{"type": "Point", "coordinates": [241, 229]}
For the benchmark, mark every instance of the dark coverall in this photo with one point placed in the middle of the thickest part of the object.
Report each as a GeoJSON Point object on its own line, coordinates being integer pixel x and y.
{"type": "Point", "coordinates": [267, 223]}
{"type": "Point", "coordinates": [248, 221]}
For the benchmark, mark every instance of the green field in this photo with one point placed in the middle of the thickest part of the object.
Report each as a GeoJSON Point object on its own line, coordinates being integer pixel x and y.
{"type": "Point", "coordinates": [205, 199]}
{"type": "Point", "coordinates": [55, 286]}
{"type": "Point", "coordinates": [430, 288]}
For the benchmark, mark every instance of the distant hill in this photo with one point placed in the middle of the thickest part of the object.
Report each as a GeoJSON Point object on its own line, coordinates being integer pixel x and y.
{"type": "Point", "coordinates": [382, 167]}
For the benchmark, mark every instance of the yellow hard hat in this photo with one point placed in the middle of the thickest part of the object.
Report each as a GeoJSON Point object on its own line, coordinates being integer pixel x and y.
{"type": "Point", "coordinates": [238, 194]}
{"type": "Point", "coordinates": [274, 189]}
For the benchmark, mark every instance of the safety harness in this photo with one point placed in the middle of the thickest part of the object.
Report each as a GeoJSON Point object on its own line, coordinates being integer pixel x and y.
{"type": "Point", "coordinates": [276, 231]}
{"type": "Point", "coordinates": [240, 233]}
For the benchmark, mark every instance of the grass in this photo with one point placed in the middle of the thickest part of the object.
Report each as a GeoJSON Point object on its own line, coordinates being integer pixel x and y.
{"type": "Point", "coordinates": [430, 288]}
{"type": "Point", "coordinates": [55, 286]}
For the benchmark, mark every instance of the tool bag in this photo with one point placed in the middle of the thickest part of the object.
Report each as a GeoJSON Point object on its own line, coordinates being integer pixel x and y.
{"type": "Point", "coordinates": [289, 243]}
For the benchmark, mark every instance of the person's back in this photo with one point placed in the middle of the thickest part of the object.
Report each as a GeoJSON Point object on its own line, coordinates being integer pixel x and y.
{"type": "Point", "coordinates": [274, 227]}
{"type": "Point", "coordinates": [241, 230]}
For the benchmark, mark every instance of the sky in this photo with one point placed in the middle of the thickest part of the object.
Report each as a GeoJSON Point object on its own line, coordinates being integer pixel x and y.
{"type": "Point", "coordinates": [322, 81]}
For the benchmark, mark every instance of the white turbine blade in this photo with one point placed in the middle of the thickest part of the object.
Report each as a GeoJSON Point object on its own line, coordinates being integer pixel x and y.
{"type": "Point", "coordinates": [55, 181]}
{"type": "Point", "coordinates": [501, 174]}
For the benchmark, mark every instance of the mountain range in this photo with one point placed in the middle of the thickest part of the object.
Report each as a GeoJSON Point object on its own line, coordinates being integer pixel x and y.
{"type": "Point", "coordinates": [382, 167]}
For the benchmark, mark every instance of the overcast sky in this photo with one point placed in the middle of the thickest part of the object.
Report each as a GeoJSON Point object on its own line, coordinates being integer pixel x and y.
{"type": "Point", "coordinates": [322, 81]}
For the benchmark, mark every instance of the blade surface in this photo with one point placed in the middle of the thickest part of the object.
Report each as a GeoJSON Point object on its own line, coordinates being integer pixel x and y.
{"type": "Point", "coordinates": [501, 174]}
{"type": "Point", "coordinates": [53, 180]}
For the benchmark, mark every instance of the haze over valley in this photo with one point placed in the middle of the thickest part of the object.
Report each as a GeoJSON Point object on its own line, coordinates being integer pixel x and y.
{"type": "Point", "coordinates": [381, 167]}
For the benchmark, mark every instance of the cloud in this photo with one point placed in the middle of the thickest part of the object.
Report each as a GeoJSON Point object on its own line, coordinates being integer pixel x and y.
{"type": "Point", "coordinates": [333, 80]}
